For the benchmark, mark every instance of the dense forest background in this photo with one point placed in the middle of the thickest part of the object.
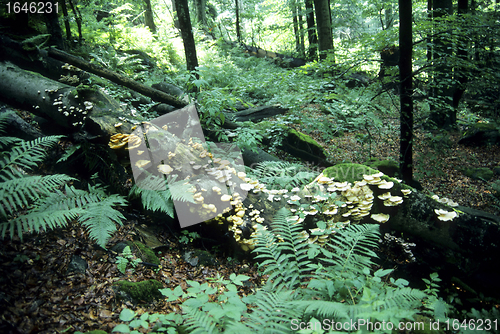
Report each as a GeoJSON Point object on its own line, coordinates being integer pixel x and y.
{"type": "Point", "coordinates": [307, 92]}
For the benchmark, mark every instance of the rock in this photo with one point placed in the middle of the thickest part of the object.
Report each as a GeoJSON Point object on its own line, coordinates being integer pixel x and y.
{"type": "Point", "coordinates": [388, 167]}
{"type": "Point", "coordinates": [481, 134]}
{"type": "Point", "coordinates": [139, 292]}
{"type": "Point", "coordinates": [480, 173]}
{"type": "Point", "coordinates": [77, 265]}
{"type": "Point", "coordinates": [119, 247]}
{"type": "Point", "coordinates": [256, 114]}
{"type": "Point", "coordinates": [199, 257]}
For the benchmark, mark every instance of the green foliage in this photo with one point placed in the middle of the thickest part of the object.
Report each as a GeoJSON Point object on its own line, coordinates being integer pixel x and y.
{"type": "Point", "coordinates": [158, 195]}
{"type": "Point", "coordinates": [126, 258]}
{"type": "Point", "coordinates": [188, 237]}
{"type": "Point", "coordinates": [281, 174]}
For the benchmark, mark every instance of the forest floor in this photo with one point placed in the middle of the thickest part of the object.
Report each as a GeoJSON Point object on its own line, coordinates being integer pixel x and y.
{"type": "Point", "coordinates": [37, 295]}
{"type": "Point", "coordinates": [438, 160]}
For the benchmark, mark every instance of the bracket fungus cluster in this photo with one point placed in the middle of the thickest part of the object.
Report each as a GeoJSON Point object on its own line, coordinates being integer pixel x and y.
{"type": "Point", "coordinates": [119, 140]}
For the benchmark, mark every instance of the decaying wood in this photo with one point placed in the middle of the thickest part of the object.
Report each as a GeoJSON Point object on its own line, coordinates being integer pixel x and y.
{"type": "Point", "coordinates": [117, 78]}
{"type": "Point", "coordinates": [74, 109]}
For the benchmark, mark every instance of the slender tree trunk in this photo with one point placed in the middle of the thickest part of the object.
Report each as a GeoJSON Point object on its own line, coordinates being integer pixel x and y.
{"type": "Point", "coordinates": [78, 19]}
{"type": "Point", "coordinates": [187, 34]}
{"type": "Point", "coordinates": [201, 16]}
{"type": "Point", "coordinates": [462, 54]}
{"type": "Point", "coordinates": [148, 17]}
{"type": "Point", "coordinates": [176, 20]}
{"type": "Point", "coordinates": [405, 73]}
{"type": "Point", "coordinates": [442, 114]}
{"type": "Point", "coordinates": [311, 30]}
{"type": "Point", "coordinates": [238, 32]}
{"type": "Point", "coordinates": [302, 51]}
{"type": "Point", "coordinates": [324, 24]}
{"type": "Point", "coordinates": [295, 21]}
{"type": "Point", "coordinates": [53, 27]}
{"type": "Point", "coordinates": [66, 21]}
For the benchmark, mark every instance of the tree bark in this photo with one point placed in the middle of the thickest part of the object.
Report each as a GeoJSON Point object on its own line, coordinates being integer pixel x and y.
{"type": "Point", "coordinates": [462, 54]}
{"type": "Point", "coordinates": [187, 34]}
{"type": "Point", "coordinates": [201, 17]}
{"type": "Point", "coordinates": [238, 31]}
{"type": "Point", "coordinates": [312, 37]}
{"type": "Point", "coordinates": [405, 73]}
{"type": "Point", "coordinates": [66, 21]}
{"type": "Point", "coordinates": [148, 17]}
{"type": "Point", "coordinates": [324, 24]}
{"type": "Point", "coordinates": [117, 78]}
{"type": "Point", "coordinates": [53, 27]}
{"type": "Point", "coordinates": [442, 113]}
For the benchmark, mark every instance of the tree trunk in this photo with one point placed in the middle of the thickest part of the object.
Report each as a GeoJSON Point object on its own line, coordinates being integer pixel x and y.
{"type": "Point", "coordinates": [187, 34]}
{"type": "Point", "coordinates": [148, 17]}
{"type": "Point", "coordinates": [78, 19]}
{"type": "Point", "coordinates": [324, 23]}
{"type": "Point", "coordinates": [66, 21]}
{"type": "Point", "coordinates": [442, 113]}
{"type": "Point", "coordinates": [462, 54]}
{"type": "Point", "coordinates": [302, 50]}
{"type": "Point", "coordinates": [238, 32]}
{"type": "Point", "coordinates": [117, 78]}
{"type": "Point", "coordinates": [53, 27]}
{"type": "Point", "coordinates": [201, 16]}
{"type": "Point", "coordinates": [68, 109]}
{"type": "Point", "coordinates": [405, 74]}
{"type": "Point", "coordinates": [295, 21]}
{"type": "Point", "coordinates": [312, 37]}
{"type": "Point", "coordinates": [175, 18]}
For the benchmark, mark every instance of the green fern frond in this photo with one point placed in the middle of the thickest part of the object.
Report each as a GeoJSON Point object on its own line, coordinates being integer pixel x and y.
{"type": "Point", "coordinates": [273, 312]}
{"type": "Point", "coordinates": [20, 192]}
{"type": "Point", "coordinates": [100, 218]}
{"type": "Point", "coordinates": [281, 174]}
{"type": "Point", "coordinates": [351, 248]}
{"type": "Point", "coordinates": [35, 220]}
{"type": "Point", "coordinates": [200, 322]}
{"type": "Point", "coordinates": [158, 195]}
{"type": "Point", "coordinates": [284, 251]}
{"type": "Point", "coordinates": [25, 155]}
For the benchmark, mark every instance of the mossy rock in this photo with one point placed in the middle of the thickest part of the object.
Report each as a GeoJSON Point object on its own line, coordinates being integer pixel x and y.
{"type": "Point", "coordinates": [348, 172]}
{"type": "Point", "coordinates": [481, 173]}
{"type": "Point", "coordinates": [388, 166]}
{"type": "Point", "coordinates": [481, 134]}
{"type": "Point", "coordinates": [140, 292]}
{"type": "Point", "coordinates": [305, 142]}
{"type": "Point", "coordinates": [144, 252]}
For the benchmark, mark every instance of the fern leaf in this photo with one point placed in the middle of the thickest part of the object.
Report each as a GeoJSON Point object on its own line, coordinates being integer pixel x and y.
{"type": "Point", "coordinates": [351, 247]}
{"type": "Point", "coordinates": [200, 322]}
{"type": "Point", "coordinates": [27, 154]}
{"type": "Point", "coordinates": [35, 220]}
{"type": "Point", "coordinates": [101, 218]}
{"type": "Point", "coordinates": [19, 192]}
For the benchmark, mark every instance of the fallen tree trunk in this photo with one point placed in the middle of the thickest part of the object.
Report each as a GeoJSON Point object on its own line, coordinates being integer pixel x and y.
{"type": "Point", "coordinates": [80, 109]}
{"type": "Point", "coordinates": [117, 78]}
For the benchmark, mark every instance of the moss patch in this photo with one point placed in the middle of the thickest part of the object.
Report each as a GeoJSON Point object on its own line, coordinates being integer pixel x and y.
{"type": "Point", "coordinates": [305, 143]}
{"type": "Point", "coordinates": [479, 173]}
{"type": "Point", "coordinates": [144, 252]}
{"type": "Point", "coordinates": [141, 292]}
{"type": "Point", "coordinates": [388, 167]}
{"type": "Point", "coordinates": [348, 172]}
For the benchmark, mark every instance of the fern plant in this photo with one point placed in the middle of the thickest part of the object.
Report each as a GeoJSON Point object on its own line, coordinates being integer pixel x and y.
{"type": "Point", "coordinates": [157, 193]}
{"type": "Point", "coordinates": [31, 203]}
{"type": "Point", "coordinates": [306, 283]}
{"type": "Point", "coordinates": [281, 174]}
